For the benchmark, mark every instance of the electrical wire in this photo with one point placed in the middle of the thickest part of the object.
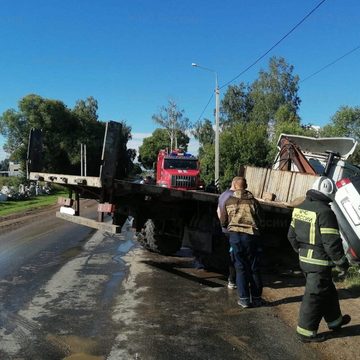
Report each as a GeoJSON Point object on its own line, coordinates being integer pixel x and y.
{"type": "Point", "coordinates": [276, 44]}
{"type": "Point", "coordinates": [202, 113]}
{"type": "Point", "coordinates": [330, 64]}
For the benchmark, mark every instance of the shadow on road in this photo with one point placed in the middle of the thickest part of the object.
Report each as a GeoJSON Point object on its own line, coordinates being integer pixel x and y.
{"type": "Point", "coordinates": [211, 279]}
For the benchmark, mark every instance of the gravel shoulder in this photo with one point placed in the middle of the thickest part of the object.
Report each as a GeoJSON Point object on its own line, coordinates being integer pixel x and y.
{"type": "Point", "coordinates": [11, 222]}
{"type": "Point", "coordinates": [285, 292]}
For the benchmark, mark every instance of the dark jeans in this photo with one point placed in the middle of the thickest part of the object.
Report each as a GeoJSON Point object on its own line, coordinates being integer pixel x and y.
{"type": "Point", "coordinates": [232, 272]}
{"type": "Point", "coordinates": [246, 251]}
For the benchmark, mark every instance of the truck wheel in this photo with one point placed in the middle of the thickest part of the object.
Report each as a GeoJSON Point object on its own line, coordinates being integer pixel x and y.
{"type": "Point", "coordinates": [159, 241]}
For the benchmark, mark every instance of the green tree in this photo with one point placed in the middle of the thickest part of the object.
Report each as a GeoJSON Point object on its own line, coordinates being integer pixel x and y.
{"type": "Point", "coordinates": [236, 105]}
{"type": "Point", "coordinates": [151, 145]}
{"type": "Point", "coordinates": [274, 88]}
{"type": "Point", "coordinates": [243, 144]}
{"type": "Point", "coordinates": [4, 165]}
{"type": "Point", "coordinates": [173, 121]}
{"type": "Point", "coordinates": [89, 132]}
{"type": "Point", "coordinates": [204, 132]}
{"type": "Point", "coordinates": [63, 131]}
{"type": "Point", "coordinates": [345, 122]}
{"type": "Point", "coordinates": [86, 110]}
{"type": "Point", "coordinates": [126, 156]}
{"type": "Point", "coordinates": [207, 164]}
{"type": "Point", "coordinates": [52, 116]}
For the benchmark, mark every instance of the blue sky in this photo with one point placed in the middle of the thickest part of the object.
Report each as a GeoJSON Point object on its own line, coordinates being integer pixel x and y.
{"type": "Point", "coordinates": [133, 55]}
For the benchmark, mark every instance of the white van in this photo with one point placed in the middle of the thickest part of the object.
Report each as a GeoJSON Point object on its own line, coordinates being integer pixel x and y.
{"type": "Point", "coordinates": [346, 206]}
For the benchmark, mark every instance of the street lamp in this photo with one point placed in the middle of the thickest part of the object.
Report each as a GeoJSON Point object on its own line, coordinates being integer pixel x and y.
{"type": "Point", "coordinates": [217, 95]}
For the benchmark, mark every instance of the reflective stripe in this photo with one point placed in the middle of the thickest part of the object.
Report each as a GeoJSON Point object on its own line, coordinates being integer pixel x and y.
{"type": "Point", "coordinates": [335, 323]}
{"type": "Point", "coordinates": [305, 332]}
{"type": "Point", "coordinates": [315, 261]}
{"type": "Point", "coordinates": [309, 217]}
{"type": "Point", "coordinates": [329, 231]}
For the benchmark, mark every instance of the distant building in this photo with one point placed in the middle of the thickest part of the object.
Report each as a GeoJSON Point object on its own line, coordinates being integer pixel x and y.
{"type": "Point", "coordinates": [14, 169]}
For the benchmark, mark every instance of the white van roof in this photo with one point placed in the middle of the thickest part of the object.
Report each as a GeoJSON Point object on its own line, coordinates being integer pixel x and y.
{"type": "Point", "coordinates": [345, 146]}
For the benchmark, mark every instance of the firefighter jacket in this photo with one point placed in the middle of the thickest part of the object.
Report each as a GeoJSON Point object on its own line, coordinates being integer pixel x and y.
{"type": "Point", "coordinates": [242, 213]}
{"type": "Point", "coordinates": [314, 233]}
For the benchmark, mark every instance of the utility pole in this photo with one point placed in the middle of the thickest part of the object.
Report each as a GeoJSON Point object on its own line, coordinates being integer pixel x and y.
{"type": "Point", "coordinates": [217, 130]}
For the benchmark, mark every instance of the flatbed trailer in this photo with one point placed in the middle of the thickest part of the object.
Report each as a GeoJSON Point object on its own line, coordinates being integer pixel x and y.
{"type": "Point", "coordinates": [165, 218]}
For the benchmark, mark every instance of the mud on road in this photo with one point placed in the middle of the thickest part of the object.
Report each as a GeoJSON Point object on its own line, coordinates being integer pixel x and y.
{"type": "Point", "coordinates": [10, 222]}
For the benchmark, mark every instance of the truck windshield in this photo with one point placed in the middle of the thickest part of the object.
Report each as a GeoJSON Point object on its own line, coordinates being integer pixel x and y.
{"type": "Point", "coordinates": [182, 164]}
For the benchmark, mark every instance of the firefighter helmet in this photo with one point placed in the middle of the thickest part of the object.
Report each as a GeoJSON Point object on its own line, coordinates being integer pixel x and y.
{"type": "Point", "coordinates": [324, 185]}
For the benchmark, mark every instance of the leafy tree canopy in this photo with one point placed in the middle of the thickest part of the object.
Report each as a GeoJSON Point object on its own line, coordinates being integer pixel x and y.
{"type": "Point", "coordinates": [242, 144]}
{"type": "Point", "coordinates": [204, 132]}
{"type": "Point", "coordinates": [151, 145]}
{"type": "Point", "coordinates": [4, 165]}
{"type": "Point", "coordinates": [270, 98]}
{"type": "Point", "coordinates": [345, 122]}
{"type": "Point", "coordinates": [63, 131]}
{"type": "Point", "coordinates": [236, 105]}
{"type": "Point", "coordinates": [275, 87]}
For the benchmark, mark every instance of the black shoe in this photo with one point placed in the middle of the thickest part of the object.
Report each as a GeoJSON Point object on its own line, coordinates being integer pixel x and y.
{"type": "Point", "coordinates": [345, 320]}
{"type": "Point", "coordinates": [258, 302]}
{"type": "Point", "coordinates": [310, 339]}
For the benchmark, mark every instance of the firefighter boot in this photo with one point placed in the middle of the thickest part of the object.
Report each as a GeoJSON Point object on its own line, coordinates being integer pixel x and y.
{"type": "Point", "coordinates": [344, 321]}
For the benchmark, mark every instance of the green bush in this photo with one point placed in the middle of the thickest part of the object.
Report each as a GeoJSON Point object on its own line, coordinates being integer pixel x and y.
{"type": "Point", "coordinates": [11, 181]}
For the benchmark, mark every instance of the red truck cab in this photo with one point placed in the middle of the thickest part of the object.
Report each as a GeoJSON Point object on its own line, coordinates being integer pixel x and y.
{"type": "Point", "coordinates": [178, 170]}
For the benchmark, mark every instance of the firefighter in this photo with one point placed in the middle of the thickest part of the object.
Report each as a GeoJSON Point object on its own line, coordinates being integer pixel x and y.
{"type": "Point", "coordinates": [314, 235]}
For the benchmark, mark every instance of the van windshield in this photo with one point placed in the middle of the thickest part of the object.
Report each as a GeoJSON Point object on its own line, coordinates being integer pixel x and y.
{"type": "Point", "coordinates": [181, 164]}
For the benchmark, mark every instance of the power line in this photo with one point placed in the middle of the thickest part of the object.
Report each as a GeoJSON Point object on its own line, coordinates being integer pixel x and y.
{"type": "Point", "coordinates": [276, 44]}
{"type": "Point", "coordinates": [212, 95]}
{"type": "Point", "coordinates": [330, 64]}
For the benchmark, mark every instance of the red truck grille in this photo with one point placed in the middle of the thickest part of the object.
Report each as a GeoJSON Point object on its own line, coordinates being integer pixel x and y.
{"type": "Point", "coordinates": [183, 181]}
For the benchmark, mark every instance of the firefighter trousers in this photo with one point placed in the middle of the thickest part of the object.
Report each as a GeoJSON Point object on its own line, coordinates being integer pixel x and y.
{"type": "Point", "coordinates": [319, 301]}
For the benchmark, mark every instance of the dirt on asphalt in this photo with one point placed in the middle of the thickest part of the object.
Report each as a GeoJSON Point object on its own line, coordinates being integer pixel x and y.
{"type": "Point", "coordinates": [11, 222]}
{"type": "Point", "coordinates": [283, 289]}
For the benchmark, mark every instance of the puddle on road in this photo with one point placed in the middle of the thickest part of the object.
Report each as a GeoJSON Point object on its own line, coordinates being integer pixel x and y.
{"type": "Point", "coordinates": [83, 357]}
{"type": "Point", "coordinates": [76, 348]}
{"type": "Point", "coordinates": [72, 252]}
{"type": "Point", "coordinates": [125, 247]}
{"type": "Point", "coordinates": [111, 287]}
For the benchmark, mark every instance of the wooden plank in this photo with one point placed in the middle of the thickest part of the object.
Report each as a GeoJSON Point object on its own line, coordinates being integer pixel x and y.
{"type": "Point", "coordinates": [113, 229]}
{"type": "Point", "coordinates": [255, 178]}
{"type": "Point", "coordinates": [300, 184]}
{"type": "Point", "coordinates": [278, 182]}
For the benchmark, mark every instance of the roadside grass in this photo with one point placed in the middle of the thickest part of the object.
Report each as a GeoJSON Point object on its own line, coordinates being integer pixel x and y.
{"type": "Point", "coordinates": [352, 279]}
{"type": "Point", "coordinates": [13, 207]}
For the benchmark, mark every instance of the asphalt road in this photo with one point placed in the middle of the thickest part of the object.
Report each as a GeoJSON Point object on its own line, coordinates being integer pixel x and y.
{"type": "Point", "coordinates": [69, 293]}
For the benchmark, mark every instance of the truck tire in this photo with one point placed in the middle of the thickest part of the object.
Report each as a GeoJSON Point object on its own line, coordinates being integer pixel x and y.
{"type": "Point", "coordinates": [159, 241]}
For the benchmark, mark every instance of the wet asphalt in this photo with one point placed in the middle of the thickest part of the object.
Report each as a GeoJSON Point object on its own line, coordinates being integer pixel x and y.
{"type": "Point", "coordinates": [104, 297]}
